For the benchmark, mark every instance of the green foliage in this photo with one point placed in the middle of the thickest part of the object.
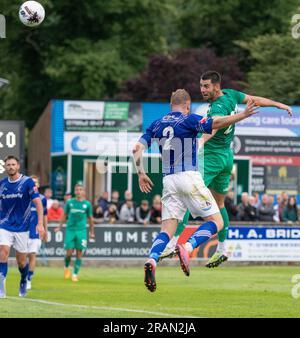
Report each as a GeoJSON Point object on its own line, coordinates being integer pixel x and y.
{"type": "Point", "coordinates": [276, 72]}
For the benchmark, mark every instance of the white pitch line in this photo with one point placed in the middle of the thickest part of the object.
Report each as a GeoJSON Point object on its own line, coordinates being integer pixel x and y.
{"type": "Point", "coordinates": [105, 308]}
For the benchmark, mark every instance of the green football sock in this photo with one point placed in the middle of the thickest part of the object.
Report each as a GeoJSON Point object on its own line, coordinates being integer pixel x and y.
{"type": "Point", "coordinates": [222, 235]}
{"type": "Point", "coordinates": [77, 266]}
{"type": "Point", "coordinates": [67, 261]}
{"type": "Point", "coordinates": [182, 224]}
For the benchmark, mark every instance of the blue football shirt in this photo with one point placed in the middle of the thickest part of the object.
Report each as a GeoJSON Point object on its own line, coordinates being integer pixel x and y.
{"type": "Point", "coordinates": [34, 217]}
{"type": "Point", "coordinates": [15, 203]}
{"type": "Point", "coordinates": [176, 135]}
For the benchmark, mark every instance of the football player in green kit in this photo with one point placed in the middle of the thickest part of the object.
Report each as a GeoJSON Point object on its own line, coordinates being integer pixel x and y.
{"type": "Point", "coordinates": [216, 156]}
{"type": "Point", "coordinates": [77, 211]}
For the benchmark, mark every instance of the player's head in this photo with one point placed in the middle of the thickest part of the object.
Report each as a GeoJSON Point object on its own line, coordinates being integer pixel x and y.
{"type": "Point", "coordinates": [181, 101]}
{"type": "Point", "coordinates": [12, 165]}
{"type": "Point", "coordinates": [35, 180]}
{"type": "Point", "coordinates": [210, 85]}
{"type": "Point", "coordinates": [79, 190]}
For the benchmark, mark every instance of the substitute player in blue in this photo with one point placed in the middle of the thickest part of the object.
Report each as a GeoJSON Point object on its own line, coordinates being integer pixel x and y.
{"type": "Point", "coordinates": [183, 187]}
{"type": "Point", "coordinates": [34, 243]}
{"type": "Point", "coordinates": [16, 193]}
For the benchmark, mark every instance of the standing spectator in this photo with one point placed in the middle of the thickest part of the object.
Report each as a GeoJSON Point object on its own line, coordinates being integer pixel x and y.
{"type": "Point", "coordinates": [48, 194]}
{"type": "Point", "coordinates": [103, 201]}
{"type": "Point", "coordinates": [115, 199]}
{"type": "Point", "coordinates": [283, 203]}
{"type": "Point", "coordinates": [127, 212]}
{"type": "Point", "coordinates": [55, 212]}
{"type": "Point", "coordinates": [242, 206]}
{"type": "Point", "coordinates": [251, 210]}
{"type": "Point", "coordinates": [231, 208]}
{"type": "Point", "coordinates": [155, 213]}
{"type": "Point", "coordinates": [266, 210]}
{"type": "Point", "coordinates": [111, 215]}
{"type": "Point", "coordinates": [278, 211]}
{"type": "Point", "coordinates": [290, 212]}
{"type": "Point", "coordinates": [142, 213]}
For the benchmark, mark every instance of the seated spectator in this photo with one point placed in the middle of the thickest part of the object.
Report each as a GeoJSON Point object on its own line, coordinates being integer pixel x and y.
{"type": "Point", "coordinates": [290, 212]}
{"type": "Point", "coordinates": [142, 213]}
{"type": "Point", "coordinates": [55, 212]}
{"type": "Point", "coordinates": [266, 210]}
{"type": "Point", "coordinates": [127, 213]}
{"type": "Point", "coordinates": [98, 213]}
{"type": "Point", "coordinates": [282, 204]}
{"type": "Point", "coordinates": [242, 206]}
{"type": "Point", "coordinates": [251, 210]}
{"type": "Point", "coordinates": [231, 208]}
{"type": "Point", "coordinates": [103, 201]}
{"type": "Point", "coordinates": [155, 213]}
{"type": "Point", "coordinates": [111, 215]}
{"type": "Point", "coordinates": [256, 199]}
{"type": "Point", "coordinates": [115, 199]}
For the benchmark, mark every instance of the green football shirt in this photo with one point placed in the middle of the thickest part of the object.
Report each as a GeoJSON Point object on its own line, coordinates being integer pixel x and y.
{"type": "Point", "coordinates": [225, 105]}
{"type": "Point", "coordinates": [77, 213]}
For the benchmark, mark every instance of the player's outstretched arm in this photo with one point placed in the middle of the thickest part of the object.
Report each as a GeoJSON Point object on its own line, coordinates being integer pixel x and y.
{"type": "Point", "coordinates": [264, 102]}
{"type": "Point", "coordinates": [145, 182]}
{"type": "Point", "coordinates": [225, 121]}
{"type": "Point", "coordinates": [40, 211]}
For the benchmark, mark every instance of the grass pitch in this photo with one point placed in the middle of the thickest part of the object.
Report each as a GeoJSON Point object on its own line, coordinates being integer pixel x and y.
{"type": "Point", "coordinates": [120, 293]}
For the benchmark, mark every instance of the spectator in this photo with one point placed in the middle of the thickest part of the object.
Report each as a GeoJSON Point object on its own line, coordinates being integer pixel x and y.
{"type": "Point", "coordinates": [103, 201]}
{"type": "Point", "coordinates": [111, 215]}
{"type": "Point", "coordinates": [127, 212]}
{"type": "Point", "coordinates": [155, 213]}
{"type": "Point", "coordinates": [278, 211]}
{"type": "Point", "coordinates": [290, 212]}
{"type": "Point", "coordinates": [98, 213]}
{"type": "Point", "coordinates": [283, 203]}
{"type": "Point", "coordinates": [242, 206]}
{"type": "Point", "coordinates": [251, 210]}
{"type": "Point", "coordinates": [142, 213]}
{"type": "Point", "coordinates": [115, 199]}
{"type": "Point", "coordinates": [127, 197]}
{"type": "Point", "coordinates": [48, 194]}
{"type": "Point", "coordinates": [231, 208]}
{"type": "Point", "coordinates": [67, 196]}
{"type": "Point", "coordinates": [266, 210]}
{"type": "Point", "coordinates": [55, 212]}
{"type": "Point", "coordinates": [256, 199]}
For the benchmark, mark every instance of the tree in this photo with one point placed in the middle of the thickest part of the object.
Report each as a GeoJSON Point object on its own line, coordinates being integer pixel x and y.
{"type": "Point", "coordinates": [276, 70]}
{"type": "Point", "coordinates": [182, 69]}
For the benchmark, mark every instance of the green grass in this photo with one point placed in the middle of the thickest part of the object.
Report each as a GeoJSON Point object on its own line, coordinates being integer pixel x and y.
{"type": "Point", "coordinates": [224, 292]}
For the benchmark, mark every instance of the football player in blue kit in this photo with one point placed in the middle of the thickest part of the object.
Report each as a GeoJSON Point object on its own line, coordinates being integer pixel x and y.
{"type": "Point", "coordinates": [183, 187]}
{"type": "Point", "coordinates": [16, 193]}
{"type": "Point", "coordinates": [34, 243]}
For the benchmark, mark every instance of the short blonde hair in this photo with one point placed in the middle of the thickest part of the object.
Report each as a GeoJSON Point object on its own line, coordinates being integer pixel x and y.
{"type": "Point", "coordinates": [180, 97]}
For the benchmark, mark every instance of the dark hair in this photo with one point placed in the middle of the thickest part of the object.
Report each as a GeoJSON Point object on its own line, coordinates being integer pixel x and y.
{"type": "Point", "coordinates": [212, 75]}
{"type": "Point", "coordinates": [11, 157]}
{"type": "Point", "coordinates": [289, 203]}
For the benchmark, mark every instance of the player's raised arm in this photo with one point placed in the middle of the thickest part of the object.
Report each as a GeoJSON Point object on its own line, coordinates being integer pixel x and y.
{"type": "Point", "coordinates": [264, 102]}
{"type": "Point", "coordinates": [40, 212]}
{"type": "Point", "coordinates": [145, 182]}
{"type": "Point", "coordinates": [225, 121]}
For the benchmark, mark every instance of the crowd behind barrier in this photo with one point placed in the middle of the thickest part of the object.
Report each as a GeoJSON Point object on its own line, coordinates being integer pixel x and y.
{"type": "Point", "coordinates": [252, 208]}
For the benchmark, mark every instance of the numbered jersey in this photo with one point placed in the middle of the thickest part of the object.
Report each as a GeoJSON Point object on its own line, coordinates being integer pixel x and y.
{"type": "Point", "coordinates": [176, 135]}
{"type": "Point", "coordinates": [223, 106]}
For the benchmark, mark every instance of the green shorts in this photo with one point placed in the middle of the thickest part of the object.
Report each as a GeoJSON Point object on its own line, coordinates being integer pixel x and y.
{"type": "Point", "coordinates": [75, 239]}
{"type": "Point", "coordinates": [217, 170]}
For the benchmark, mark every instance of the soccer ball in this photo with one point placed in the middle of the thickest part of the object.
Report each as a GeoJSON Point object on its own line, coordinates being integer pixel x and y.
{"type": "Point", "coordinates": [31, 13]}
